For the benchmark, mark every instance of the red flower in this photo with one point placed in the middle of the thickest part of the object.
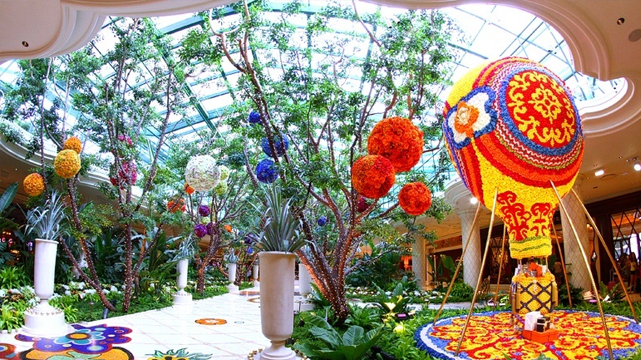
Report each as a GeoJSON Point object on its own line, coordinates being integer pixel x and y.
{"type": "Point", "coordinates": [179, 205]}
{"type": "Point", "coordinates": [398, 140]}
{"type": "Point", "coordinates": [373, 176]}
{"type": "Point", "coordinates": [415, 198]}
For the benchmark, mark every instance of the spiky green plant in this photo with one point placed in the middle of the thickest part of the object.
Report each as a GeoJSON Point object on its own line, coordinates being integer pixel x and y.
{"type": "Point", "coordinates": [47, 221]}
{"type": "Point", "coordinates": [280, 231]}
{"type": "Point", "coordinates": [178, 354]}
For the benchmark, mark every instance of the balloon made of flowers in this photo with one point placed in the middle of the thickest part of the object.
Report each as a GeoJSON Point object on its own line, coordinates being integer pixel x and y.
{"type": "Point", "coordinates": [512, 126]}
{"type": "Point", "coordinates": [373, 176]}
{"type": "Point", "coordinates": [400, 141]}
{"type": "Point", "coordinates": [73, 143]}
{"type": "Point", "coordinates": [266, 171]}
{"type": "Point", "coordinates": [33, 184]}
{"type": "Point", "coordinates": [280, 146]}
{"type": "Point", "coordinates": [415, 198]}
{"type": "Point", "coordinates": [202, 173]}
{"type": "Point", "coordinates": [67, 164]}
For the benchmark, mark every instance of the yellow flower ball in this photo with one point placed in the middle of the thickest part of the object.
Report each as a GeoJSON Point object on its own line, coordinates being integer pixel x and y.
{"type": "Point", "coordinates": [34, 184]}
{"type": "Point", "coordinates": [73, 143]}
{"type": "Point", "coordinates": [67, 164]}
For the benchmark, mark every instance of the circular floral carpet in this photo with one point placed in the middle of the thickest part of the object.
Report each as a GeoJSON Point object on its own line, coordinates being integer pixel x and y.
{"type": "Point", "coordinates": [490, 336]}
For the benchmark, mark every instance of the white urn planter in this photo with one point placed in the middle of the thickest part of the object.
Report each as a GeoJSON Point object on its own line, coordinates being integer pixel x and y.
{"type": "Point", "coordinates": [182, 297]}
{"type": "Point", "coordinates": [277, 302]}
{"type": "Point", "coordinates": [231, 276]}
{"type": "Point", "coordinates": [43, 320]}
{"type": "Point", "coordinates": [304, 281]}
{"type": "Point", "coordinates": [255, 274]}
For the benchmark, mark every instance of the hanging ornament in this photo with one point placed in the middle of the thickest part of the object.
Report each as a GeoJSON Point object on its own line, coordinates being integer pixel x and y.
{"type": "Point", "coordinates": [33, 184]}
{"type": "Point", "coordinates": [266, 171]}
{"type": "Point", "coordinates": [67, 164]}
{"type": "Point", "coordinates": [73, 143]}
{"type": "Point", "coordinates": [202, 173]}
{"type": "Point", "coordinates": [281, 146]}
{"type": "Point", "coordinates": [415, 198]}
{"type": "Point", "coordinates": [373, 176]}
{"type": "Point", "coordinates": [397, 139]}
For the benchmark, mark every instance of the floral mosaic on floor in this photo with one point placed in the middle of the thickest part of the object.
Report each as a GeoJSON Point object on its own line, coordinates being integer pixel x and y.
{"type": "Point", "coordinates": [490, 336]}
{"type": "Point", "coordinates": [93, 342]}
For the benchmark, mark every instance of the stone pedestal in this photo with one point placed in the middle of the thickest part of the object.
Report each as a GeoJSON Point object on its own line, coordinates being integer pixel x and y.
{"type": "Point", "coordinates": [182, 297]}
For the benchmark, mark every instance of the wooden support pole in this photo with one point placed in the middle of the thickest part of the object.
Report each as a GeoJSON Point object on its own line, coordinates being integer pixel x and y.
{"type": "Point", "coordinates": [607, 251]}
{"type": "Point", "coordinates": [587, 264]}
{"type": "Point", "coordinates": [498, 279]}
{"type": "Point", "coordinates": [458, 266]}
{"type": "Point", "coordinates": [478, 282]}
{"type": "Point", "coordinates": [565, 274]}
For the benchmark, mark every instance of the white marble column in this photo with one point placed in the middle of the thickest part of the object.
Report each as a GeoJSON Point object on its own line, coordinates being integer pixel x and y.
{"type": "Point", "coordinates": [418, 262]}
{"type": "Point", "coordinates": [580, 275]}
{"type": "Point", "coordinates": [473, 256]}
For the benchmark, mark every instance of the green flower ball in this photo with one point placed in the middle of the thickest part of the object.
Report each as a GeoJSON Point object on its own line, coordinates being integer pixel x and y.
{"type": "Point", "coordinates": [224, 172]}
{"type": "Point", "coordinates": [221, 188]}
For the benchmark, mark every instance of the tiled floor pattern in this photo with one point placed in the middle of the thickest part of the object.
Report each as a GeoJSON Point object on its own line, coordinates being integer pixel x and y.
{"type": "Point", "coordinates": [175, 328]}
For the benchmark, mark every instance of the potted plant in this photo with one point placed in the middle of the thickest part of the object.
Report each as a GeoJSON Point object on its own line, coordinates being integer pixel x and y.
{"type": "Point", "coordinates": [231, 259]}
{"type": "Point", "coordinates": [47, 223]}
{"type": "Point", "coordinates": [278, 241]}
{"type": "Point", "coordinates": [185, 251]}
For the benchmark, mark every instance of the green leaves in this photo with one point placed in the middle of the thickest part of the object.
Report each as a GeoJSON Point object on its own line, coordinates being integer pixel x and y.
{"type": "Point", "coordinates": [351, 345]}
{"type": "Point", "coordinates": [281, 229]}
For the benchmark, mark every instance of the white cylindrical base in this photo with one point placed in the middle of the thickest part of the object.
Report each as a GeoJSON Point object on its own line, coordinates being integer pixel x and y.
{"type": "Point", "coordinates": [182, 298]}
{"type": "Point", "coordinates": [277, 302]}
{"type": "Point", "coordinates": [255, 274]}
{"type": "Point", "coordinates": [304, 281]}
{"type": "Point", "coordinates": [44, 268]}
{"type": "Point", "coordinates": [44, 320]}
{"type": "Point", "coordinates": [231, 272]}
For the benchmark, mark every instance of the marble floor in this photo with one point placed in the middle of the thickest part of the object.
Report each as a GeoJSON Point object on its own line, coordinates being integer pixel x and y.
{"type": "Point", "coordinates": [234, 333]}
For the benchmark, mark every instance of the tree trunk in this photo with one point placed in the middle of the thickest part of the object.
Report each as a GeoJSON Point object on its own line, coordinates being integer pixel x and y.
{"type": "Point", "coordinates": [200, 281]}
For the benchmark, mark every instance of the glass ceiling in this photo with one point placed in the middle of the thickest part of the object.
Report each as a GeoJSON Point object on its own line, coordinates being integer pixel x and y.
{"type": "Point", "coordinates": [490, 32]}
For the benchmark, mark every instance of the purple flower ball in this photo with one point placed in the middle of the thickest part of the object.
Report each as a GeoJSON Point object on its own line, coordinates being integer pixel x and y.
{"type": "Point", "coordinates": [254, 117]}
{"type": "Point", "coordinates": [322, 221]}
{"type": "Point", "coordinates": [200, 230]}
{"type": "Point", "coordinates": [204, 210]}
{"type": "Point", "coordinates": [266, 171]}
{"type": "Point", "coordinates": [210, 228]}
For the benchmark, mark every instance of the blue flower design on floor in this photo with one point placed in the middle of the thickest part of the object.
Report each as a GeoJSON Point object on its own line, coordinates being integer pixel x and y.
{"type": "Point", "coordinates": [87, 340]}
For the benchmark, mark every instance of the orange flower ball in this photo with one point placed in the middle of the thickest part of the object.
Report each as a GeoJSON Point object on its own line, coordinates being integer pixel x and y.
{"type": "Point", "coordinates": [373, 176]}
{"type": "Point", "coordinates": [415, 198]}
{"type": "Point", "coordinates": [398, 140]}
{"type": "Point", "coordinates": [34, 184]}
{"type": "Point", "coordinates": [67, 164]}
{"type": "Point", "coordinates": [174, 206]}
{"type": "Point", "coordinates": [188, 189]}
{"type": "Point", "coordinates": [228, 228]}
{"type": "Point", "coordinates": [73, 143]}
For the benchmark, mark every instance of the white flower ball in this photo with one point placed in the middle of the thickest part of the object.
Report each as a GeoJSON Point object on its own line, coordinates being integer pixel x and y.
{"type": "Point", "coordinates": [224, 172]}
{"type": "Point", "coordinates": [202, 173]}
{"type": "Point", "coordinates": [221, 188]}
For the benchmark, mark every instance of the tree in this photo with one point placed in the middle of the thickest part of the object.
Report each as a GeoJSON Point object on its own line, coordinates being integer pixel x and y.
{"type": "Point", "coordinates": [323, 87]}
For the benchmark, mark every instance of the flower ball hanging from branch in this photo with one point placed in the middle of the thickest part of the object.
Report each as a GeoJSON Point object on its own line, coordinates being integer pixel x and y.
{"type": "Point", "coordinates": [415, 198]}
{"type": "Point", "coordinates": [373, 176]}
{"type": "Point", "coordinates": [280, 146]}
{"type": "Point", "coordinates": [67, 164]}
{"type": "Point", "coordinates": [254, 117]}
{"type": "Point", "coordinates": [73, 143]}
{"type": "Point", "coordinates": [397, 139]}
{"type": "Point", "coordinates": [128, 174]}
{"type": "Point", "coordinates": [202, 173]}
{"type": "Point", "coordinates": [266, 171]}
{"type": "Point", "coordinates": [34, 184]}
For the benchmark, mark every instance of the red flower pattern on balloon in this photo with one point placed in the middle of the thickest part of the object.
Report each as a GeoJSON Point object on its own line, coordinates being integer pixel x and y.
{"type": "Point", "coordinates": [397, 139]}
{"type": "Point", "coordinates": [415, 198]}
{"type": "Point", "coordinates": [373, 176]}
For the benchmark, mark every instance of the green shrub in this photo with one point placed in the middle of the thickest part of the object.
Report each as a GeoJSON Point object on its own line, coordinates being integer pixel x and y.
{"type": "Point", "coordinates": [353, 344]}
{"type": "Point", "coordinates": [13, 277]}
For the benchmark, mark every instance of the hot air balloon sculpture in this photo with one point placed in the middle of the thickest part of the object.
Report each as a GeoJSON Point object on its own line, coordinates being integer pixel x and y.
{"type": "Point", "coordinates": [511, 129]}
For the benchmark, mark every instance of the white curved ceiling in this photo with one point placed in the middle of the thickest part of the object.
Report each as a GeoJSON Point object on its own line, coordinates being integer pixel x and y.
{"type": "Point", "coordinates": [603, 36]}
